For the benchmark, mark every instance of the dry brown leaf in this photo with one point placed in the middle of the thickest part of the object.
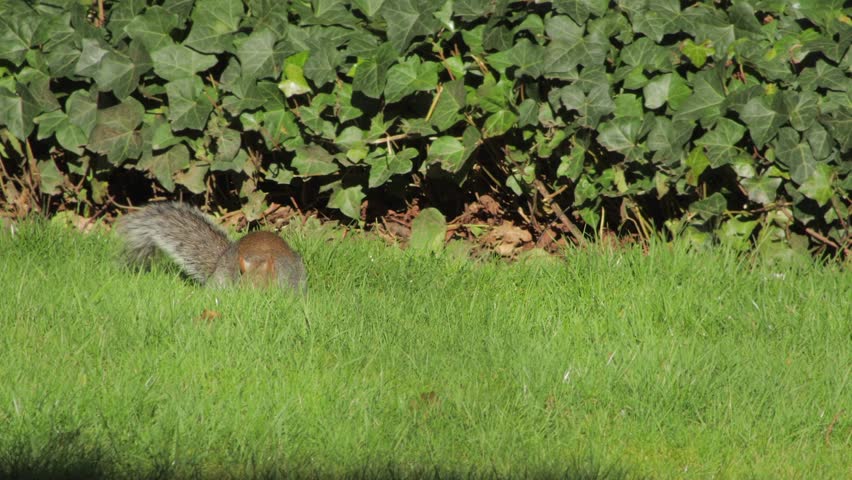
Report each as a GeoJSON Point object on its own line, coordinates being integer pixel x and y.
{"type": "Point", "coordinates": [208, 316]}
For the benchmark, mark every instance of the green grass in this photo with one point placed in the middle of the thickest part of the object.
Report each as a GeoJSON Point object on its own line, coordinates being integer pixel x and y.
{"type": "Point", "coordinates": [607, 364]}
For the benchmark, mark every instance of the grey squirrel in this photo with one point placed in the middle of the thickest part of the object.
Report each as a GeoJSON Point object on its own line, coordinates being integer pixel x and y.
{"type": "Point", "coordinates": [203, 251]}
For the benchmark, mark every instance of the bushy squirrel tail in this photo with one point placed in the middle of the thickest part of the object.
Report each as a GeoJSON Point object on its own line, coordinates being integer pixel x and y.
{"type": "Point", "coordinates": [182, 232]}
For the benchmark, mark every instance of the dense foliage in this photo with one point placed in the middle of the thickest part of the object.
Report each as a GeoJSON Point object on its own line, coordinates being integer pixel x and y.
{"type": "Point", "coordinates": [718, 120]}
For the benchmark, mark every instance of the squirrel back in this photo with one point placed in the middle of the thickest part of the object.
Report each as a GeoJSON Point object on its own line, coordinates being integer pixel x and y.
{"type": "Point", "coordinates": [203, 251]}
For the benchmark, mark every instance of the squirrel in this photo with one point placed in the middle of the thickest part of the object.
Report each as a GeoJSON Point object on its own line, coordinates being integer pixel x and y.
{"type": "Point", "coordinates": [203, 251]}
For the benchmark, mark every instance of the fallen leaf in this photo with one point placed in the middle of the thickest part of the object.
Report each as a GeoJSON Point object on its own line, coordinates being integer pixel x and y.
{"type": "Point", "coordinates": [208, 316]}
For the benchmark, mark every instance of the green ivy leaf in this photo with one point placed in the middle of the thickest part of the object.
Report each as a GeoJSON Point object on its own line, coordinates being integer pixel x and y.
{"type": "Point", "coordinates": [659, 18]}
{"type": "Point", "coordinates": [16, 33]}
{"type": "Point", "coordinates": [410, 76]}
{"type": "Point", "coordinates": [668, 88]}
{"type": "Point", "coordinates": [697, 54]}
{"type": "Point", "coordinates": [351, 141]}
{"type": "Point", "coordinates": [584, 190]}
{"type": "Point", "coordinates": [50, 178]}
{"type": "Point", "coordinates": [445, 15]}
{"type": "Point", "coordinates": [279, 126]}
{"type": "Point", "coordinates": [371, 72]}
{"type": "Point", "coordinates": [53, 30]}
{"type": "Point", "coordinates": [762, 189]}
{"type": "Point", "coordinates": [117, 72]}
{"type": "Point", "coordinates": [115, 132]}
{"type": "Point", "coordinates": [571, 166]}
{"type": "Point", "coordinates": [257, 55]}
{"type": "Point", "coordinates": [622, 135]}
{"type": "Point", "coordinates": [407, 19]}
{"type": "Point", "coordinates": [499, 123]}
{"type": "Point", "coordinates": [321, 66]}
{"type": "Point", "coordinates": [162, 136]}
{"type": "Point", "coordinates": [823, 75]}
{"type": "Point", "coordinates": [471, 139]}
{"type": "Point", "coordinates": [165, 165]}
{"type": "Point", "coordinates": [720, 143]}
{"type": "Point", "coordinates": [668, 139]}
{"type": "Point", "coordinates": [120, 15]}
{"type": "Point", "coordinates": [62, 59]}
{"type": "Point", "coordinates": [152, 28]}
{"type": "Point", "coordinates": [802, 108]}
{"type": "Point", "coordinates": [449, 152]}
{"type": "Point", "coordinates": [213, 25]}
{"type": "Point", "coordinates": [528, 113]}
{"type": "Point", "coordinates": [736, 233]}
{"type": "Point", "coordinates": [39, 88]}
{"type": "Point", "coordinates": [647, 55]}
{"type": "Point", "coordinates": [189, 103]}
{"type": "Point", "coordinates": [293, 76]}
{"type": "Point", "coordinates": [527, 57]}
{"type": "Point", "coordinates": [310, 117]}
{"type": "Point", "coordinates": [17, 111]}
{"type": "Point", "coordinates": [492, 96]}
{"type": "Point", "coordinates": [705, 102]}
{"type": "Point", "coordinates": [795, 155]}
{"type": "Point", "coordinates": [446, 113]}
{"type": "Point", "coordinates": [562, 31]}
{"type": "Point", "coordinates": [90, 58]}
{"type": "Point", "coordinates": [176, 61]}
{"type": "Point", "coordinates": [333, 12]}
{"type": "Point", "coordinates": [383, 166]}
{"type": "Point", "coordinates": [762, 119]}
{"type": "Point", "coordinates": [628, 105]}
{"type": "Point", "coordinates": [194, 178]}
{"type": "Point", "coordinates": [369, 7]}
{"type": "Point", "coordinates": [82, 111]}
{"type": "Point", "coordinates": [709, 207]}
{"type": "Point", "coordinates": [839, 124]}
{"type": "Point", "coordinates": [348, 201]}
{"type": "Point", "coordinates": [591, 107]}
{"type": "Point", "coordinates": [49, 123]}
{"type": "Point", "coordinates": [697, 162]}
{"type": "Point", "coordinates": [428, 231]}
{"type": "Point", "coordinates": [580, 10]}
{"type": "Point", "coordinates": [314, 160]}
{"type": "Point", "coordinates": [818, 185]}
{"type": "Point", "coordinates": [278, 174]}
{"type": "Point", "coordinates": [228, 144]}
{"type": "Point", "coordinates": [72, 138]}
{"type": "Point", "coordinates": [562, 55]}
{"type": "Point", "coordinates": [819, 141]}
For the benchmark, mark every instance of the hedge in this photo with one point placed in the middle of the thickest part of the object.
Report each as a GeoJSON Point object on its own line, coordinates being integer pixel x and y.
{"type": "Point", "coordinates": [713, 120]}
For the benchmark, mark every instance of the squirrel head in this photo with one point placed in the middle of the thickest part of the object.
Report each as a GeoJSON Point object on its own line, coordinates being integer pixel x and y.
{"type": "Point", "coordinates": [259, 254]}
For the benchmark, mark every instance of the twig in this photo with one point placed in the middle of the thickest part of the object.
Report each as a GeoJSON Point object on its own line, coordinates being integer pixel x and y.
{"type": "Point", "coordinates": [810, 231]}
{"type": "Point", "coordinates": [548, 198]}
{"type": "Point", "coordinates": [438, 93]}
{"type": "Point", "coordinates": [93, 217]}
{"type": "Point", "coordinates": [831, 426]}
{"type": "Point", "coordinates": [444, 63]}
{"type": "Point", "coordinates": [575, 232]}
{"type": "Point", "coordinates": [4, 175]}
{"type": "Point", "coordinates": [302, 218]}
{"type": "Point", "coordinates": [388, 139]}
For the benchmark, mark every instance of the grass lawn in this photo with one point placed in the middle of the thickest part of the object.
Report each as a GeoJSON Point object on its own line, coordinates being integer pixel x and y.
{"type": "Point", "coordinates": [612, 364]}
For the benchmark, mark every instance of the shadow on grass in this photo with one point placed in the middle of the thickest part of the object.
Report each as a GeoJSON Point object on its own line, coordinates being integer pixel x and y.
{"type": "Point", "coordinates": [94, 469]}
{"type": "Point", "coordinates": [56, 462]}
{"type": "Point", "coordinates": [72, 461]}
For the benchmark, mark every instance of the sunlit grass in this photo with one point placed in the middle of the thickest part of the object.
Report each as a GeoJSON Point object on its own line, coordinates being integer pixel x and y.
{"type": "Point", "coordinates": [604, 364]}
